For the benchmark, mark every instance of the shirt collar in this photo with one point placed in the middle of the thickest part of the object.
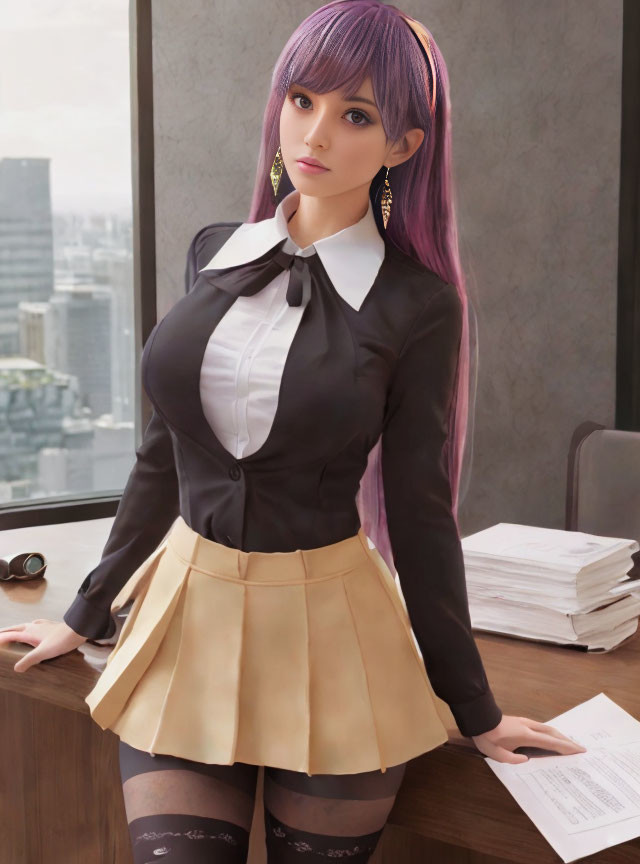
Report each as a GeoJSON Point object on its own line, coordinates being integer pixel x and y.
{"type": "Point", "coordinates": [351, 256]}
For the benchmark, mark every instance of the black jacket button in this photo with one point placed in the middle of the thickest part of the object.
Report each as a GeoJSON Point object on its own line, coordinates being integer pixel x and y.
{"type": "Point", "coordinates": [234, 472]}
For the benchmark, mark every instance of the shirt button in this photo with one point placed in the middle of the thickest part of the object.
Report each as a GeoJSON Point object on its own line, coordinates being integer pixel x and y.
{"type": "Point", "coordinates": [234, 472]}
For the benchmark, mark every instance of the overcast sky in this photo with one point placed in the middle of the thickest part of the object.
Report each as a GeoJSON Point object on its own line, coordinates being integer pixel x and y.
{"type": "Point", "coordinates": [64, 94]}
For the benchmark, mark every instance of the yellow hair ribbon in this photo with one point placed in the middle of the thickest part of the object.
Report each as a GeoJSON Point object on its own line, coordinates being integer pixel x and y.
{"type": "Point", "coordinates": [425, 42]}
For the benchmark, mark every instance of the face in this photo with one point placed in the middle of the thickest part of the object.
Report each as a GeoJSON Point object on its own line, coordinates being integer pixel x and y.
{"type": "Point", "coordinates": [345, 135]}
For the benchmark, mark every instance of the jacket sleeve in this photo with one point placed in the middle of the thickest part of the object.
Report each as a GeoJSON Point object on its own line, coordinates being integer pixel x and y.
{"type": "Point", "coordinates": [148, 507]}
{"type": "Point", "coordinates": [424, 538]}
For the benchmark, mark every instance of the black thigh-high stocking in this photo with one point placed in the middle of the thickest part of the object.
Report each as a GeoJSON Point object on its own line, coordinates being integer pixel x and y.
{"type": "Point", "coordinates": [326, 816]}
{"type": "Point", "coordinates": [186, 812]}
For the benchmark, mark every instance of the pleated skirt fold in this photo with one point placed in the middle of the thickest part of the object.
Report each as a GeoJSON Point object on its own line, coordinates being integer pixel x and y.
{"type": "Point", "coordinates": [302, 660]}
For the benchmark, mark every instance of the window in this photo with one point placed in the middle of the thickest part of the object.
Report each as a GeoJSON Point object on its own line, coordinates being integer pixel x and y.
{"type": "Point", "coordinates": [68, 360]}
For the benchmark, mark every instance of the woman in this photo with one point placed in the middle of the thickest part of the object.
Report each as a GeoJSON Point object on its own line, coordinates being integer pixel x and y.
{"type": "Point", "coordinates": [308, 391]}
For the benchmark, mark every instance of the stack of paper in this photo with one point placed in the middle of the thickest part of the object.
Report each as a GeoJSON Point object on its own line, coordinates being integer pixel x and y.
{"type": "Point", "coordinates": [583, 802]}
{"type": "Point", "coordinates": [550, 585]}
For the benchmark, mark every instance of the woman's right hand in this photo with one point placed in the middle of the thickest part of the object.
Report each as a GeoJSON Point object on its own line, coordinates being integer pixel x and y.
{"type": "Point", "coordinates": [49, 638]}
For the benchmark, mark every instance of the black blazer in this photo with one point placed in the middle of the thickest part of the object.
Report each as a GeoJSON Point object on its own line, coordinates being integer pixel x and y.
{"type": "Point", "coordinates": [349, 375]}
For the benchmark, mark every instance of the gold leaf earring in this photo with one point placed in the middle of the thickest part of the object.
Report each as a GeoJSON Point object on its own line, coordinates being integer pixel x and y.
{"type": "Point", "coordinates": [276, 171]}
{"type": "Point", "coordinates": [385, 202]}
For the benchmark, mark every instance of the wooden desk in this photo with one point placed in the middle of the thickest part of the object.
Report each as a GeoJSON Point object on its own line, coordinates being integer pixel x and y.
{"type": "Point", "coordinates": [452, 808]}
{"type": "Point", "coordinates": [61, 799]}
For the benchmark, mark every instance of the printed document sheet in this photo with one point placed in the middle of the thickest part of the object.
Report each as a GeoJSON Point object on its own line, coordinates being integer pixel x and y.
{"type": "Point", "coordinates": [584, 802]}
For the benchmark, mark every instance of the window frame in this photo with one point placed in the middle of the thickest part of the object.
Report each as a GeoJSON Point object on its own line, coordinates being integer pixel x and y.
{"type": "Point", "coordinates": [627, 414]}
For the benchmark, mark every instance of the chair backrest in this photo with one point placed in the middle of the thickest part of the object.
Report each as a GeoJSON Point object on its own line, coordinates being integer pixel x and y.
{"type": "Point", "coordinates": [603, 483]}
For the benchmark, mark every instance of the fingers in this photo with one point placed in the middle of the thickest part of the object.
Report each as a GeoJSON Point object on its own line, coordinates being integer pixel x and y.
{"type": "Point", "coordinates": [28, 624]}
{"type": "Point", "coordinates": [553, 742]}
{"type": "Point", "coordinates": [27, 640]}
{"type": "Point", "coordinates": [20, 633]}
{"type": "Point", "coordinates": [525, 732]}
{"type": "Point", "coordinates": [503, 755]}
{"type": "Point", "coordinates": [28, 661]}
{"type": "Point", "coordinates": [550, 732]}
{"type": "Point", "coordinates": [7, 637]}
{"type": "Point", "coordinates": [544, 727]}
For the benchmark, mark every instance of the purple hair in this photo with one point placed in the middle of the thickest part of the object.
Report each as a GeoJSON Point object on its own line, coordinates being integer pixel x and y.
{"type": "Point", "coordinates": [337, 47]}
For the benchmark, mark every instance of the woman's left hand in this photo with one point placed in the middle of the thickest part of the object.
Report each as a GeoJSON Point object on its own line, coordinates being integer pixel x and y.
{"type": "Point", "coordinates": [512, 732]}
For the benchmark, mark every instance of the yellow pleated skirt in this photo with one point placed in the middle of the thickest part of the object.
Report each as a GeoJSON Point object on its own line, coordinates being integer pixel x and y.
{"type": "Point", "coordinates": [302, 660]}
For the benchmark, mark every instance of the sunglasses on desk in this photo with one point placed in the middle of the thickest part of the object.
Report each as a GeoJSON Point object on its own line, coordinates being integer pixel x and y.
{"type": "Point", "coordinates": [22, 567]}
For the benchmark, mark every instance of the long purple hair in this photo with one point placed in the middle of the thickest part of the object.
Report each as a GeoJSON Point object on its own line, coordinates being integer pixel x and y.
{"type": "Point", "coordinates": [337, 47]}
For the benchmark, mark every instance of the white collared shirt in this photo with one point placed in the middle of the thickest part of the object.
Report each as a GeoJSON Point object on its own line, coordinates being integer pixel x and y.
{"type": "Point", "coordinates": [245, 355]}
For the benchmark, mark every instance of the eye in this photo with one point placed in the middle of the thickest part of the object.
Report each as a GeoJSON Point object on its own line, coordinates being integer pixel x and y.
{"type": "Point", "coordinates": [362, 114]}
{"type": "Point", "coordinates": [367, 121]}
{"type": "Point", "coordinates": [294, 96]}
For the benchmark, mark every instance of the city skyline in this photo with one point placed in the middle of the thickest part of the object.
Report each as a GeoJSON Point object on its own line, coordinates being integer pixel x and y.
{"type": "Point", "coordinates": [64, 95]}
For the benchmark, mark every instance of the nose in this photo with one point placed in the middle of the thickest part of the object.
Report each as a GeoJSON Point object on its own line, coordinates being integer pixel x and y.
{"type": "Point", "coordinates": [317, 134]}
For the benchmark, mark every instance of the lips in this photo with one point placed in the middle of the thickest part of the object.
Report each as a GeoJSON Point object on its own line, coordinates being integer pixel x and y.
{"type": "Point", "coordinates": [309, 161]}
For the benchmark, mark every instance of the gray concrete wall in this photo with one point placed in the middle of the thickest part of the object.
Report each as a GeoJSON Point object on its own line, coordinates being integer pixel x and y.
{"type": "Point", "coordinates": [535, 88]}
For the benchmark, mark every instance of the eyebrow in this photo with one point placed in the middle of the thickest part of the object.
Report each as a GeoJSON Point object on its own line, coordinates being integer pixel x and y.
{"type": "Point", "coordinates": [344, 99]}
{"type": "Point", "coordinates": [360, 99]}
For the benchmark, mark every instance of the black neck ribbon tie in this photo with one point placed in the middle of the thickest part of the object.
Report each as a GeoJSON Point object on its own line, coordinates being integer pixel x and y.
{"type": "Point", "coordinates": [249, 278]}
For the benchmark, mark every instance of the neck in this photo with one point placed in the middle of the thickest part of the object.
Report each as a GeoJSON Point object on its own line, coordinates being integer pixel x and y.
{"type": "Point", "coordinates": [317, 217]}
